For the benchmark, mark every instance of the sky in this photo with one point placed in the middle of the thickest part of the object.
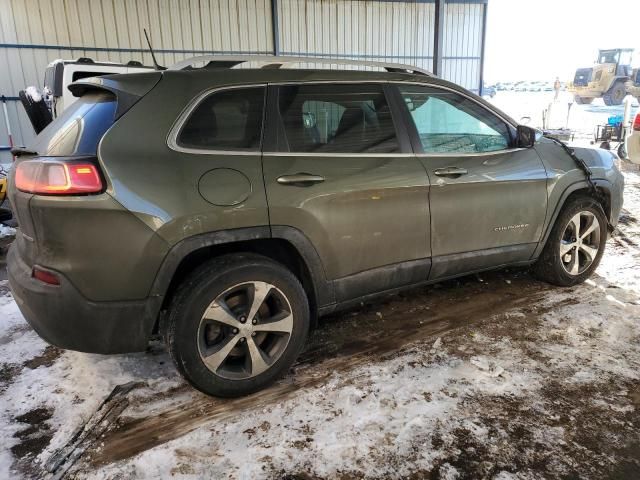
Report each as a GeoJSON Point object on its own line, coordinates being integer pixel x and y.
{"type": "Point", "coordinates": [542, 39]}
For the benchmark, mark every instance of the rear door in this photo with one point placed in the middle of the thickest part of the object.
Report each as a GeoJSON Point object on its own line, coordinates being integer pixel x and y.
{"type": "Point", "coordinates": [339, 172]}
{"type": "Point", "coordinates": [488, 199]}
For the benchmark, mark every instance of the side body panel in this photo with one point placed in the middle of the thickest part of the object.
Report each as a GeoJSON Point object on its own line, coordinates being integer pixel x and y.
{"type": "Point", "coordinates": [565, 178]}
{"type": "Point", "coordinates": [474, 211]}
{"type": "Point", "coordinates": [175, 192]}
{"type": "Point", "coordinates": [499, 204]}
{"type": "Point", "coordinates": [368, 212]}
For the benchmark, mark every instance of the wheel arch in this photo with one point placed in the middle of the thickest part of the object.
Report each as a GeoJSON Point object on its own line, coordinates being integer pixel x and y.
{"type": "Point", "coordinates": [616, 79]}
{"type": "Point", "coordinates": [577, 189]}
{"type": "Point", "coordinates": [285, 245]}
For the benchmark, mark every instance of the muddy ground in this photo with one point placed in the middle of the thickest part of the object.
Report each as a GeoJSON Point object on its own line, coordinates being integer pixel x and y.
{"type": "Point", "coordinates": [495, 375]}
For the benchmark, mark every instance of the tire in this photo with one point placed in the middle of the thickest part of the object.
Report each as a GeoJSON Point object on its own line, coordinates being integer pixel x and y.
{"type": "Point", "coordinates": [615, 95]}
{"type": "Point", "coordinates": [622, 151]}
{"type": "Point", "coordinates": [244, 356]}
{"type": "Point", "coordinates": [558, 269]}
{"type": "Point", "coordinates": [583, 100]}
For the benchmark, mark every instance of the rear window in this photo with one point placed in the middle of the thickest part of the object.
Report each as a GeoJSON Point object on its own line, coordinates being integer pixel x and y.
{"type": "Point", "coordinates": [80, 128]}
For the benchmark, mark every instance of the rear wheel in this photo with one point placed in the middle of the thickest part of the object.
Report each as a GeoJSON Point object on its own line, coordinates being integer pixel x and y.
{"type": "Point", "coordinates": [622, 151]}
{"type": "Point", "coordinates": [237, 324]}
{"type": "Point", "coordinates": [575, 245]}
{"type": "Point", "coordinates": [583, 100]}
{"type": "Point", "coordinates": [615, 95]}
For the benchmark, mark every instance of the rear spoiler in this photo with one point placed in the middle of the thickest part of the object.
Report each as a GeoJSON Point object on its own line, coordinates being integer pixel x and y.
{"type": "Point", "coordinates": [128, 88]}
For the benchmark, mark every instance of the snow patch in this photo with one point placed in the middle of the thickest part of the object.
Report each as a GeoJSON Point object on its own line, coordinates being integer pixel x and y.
{"type": "Point", "coordinates": [6, 231]}
{"type": "Point", "coordinates": [34, 94]}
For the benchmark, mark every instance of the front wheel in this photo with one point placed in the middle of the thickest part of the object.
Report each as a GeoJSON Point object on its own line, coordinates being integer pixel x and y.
{"type": "Point", "coordinates": [237, 324]}
{"type": "Point", "coordinates": [575, 245]}
{"type": "Point", "coordinates": [615, 95]}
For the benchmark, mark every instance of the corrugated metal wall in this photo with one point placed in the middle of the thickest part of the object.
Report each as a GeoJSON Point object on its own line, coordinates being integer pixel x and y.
{"type": "Point", "coordinates": [462, 43]}
{"type": "Point", "coordinates": [35, 32]}
{"type": "Point", "coordinates": [399, 32]}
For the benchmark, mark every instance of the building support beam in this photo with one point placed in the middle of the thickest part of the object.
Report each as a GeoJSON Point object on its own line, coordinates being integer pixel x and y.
{"type": "Point", "coordinates": [484, 42]}
{"type": "Point", "coordinates": [275, 27]}
{"type": "Point", "coordinates": [438, 37]}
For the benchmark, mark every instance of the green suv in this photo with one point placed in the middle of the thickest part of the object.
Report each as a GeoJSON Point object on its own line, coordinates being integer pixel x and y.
{"type": "Point", "coordinates": [227, 208]}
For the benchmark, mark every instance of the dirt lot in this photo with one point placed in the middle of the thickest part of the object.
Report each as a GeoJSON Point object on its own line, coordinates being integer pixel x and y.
{"type": "Point", "coordinates": [491, 376]}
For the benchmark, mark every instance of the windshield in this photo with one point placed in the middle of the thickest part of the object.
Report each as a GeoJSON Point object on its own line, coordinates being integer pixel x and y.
{"type": "Point", "coordinates": [80, 127]}
{"type": "Point", "coordinates": [608, 56]}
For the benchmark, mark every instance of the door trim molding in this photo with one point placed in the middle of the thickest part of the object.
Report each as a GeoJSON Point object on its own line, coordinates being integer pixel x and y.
{"type": "Point", "coordinates": [381, 279]}
{"type": "Point", "coordinates": [457, 264]}
{"type": "Point", "coordinates": [472, 154]}
{"type": "Point", "coordinates": [333, 154]}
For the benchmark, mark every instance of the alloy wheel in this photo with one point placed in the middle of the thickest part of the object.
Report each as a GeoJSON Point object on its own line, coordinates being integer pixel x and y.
{"type": "Point", "coordinates": [245, 330]}
{"type": "Point", "coordinates": [580, 243]}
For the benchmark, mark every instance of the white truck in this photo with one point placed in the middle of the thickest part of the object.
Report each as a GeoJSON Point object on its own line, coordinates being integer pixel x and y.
{"type": "Point", "coordinates": [43, 106]}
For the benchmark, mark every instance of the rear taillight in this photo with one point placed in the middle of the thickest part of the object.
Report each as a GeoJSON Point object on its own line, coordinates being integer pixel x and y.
{"type": "Point", "coordinates": [57, 177]}
{"type": "Point", "coordinates": [636, 123]}
{"type": "Point", "coordinates": [45, 276]}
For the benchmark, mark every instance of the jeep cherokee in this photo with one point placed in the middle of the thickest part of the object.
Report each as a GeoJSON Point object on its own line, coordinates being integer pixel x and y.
{"type": "Point", "coordinates": [227, 208]}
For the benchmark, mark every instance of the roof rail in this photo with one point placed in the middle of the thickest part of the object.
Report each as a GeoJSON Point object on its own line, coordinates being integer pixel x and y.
{"type": "Point", "coordinates": [271, 61]}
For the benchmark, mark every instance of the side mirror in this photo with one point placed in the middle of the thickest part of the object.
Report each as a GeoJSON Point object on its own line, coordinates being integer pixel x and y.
{"type": "Point", "coordinates": [525, 136]}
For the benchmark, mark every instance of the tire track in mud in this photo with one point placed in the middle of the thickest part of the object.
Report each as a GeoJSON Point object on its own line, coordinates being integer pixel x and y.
{"type": "Point", "coordinates": [339, 345]}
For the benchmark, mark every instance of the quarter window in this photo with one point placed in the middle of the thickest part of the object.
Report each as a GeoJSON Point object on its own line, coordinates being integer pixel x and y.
{"type": "Point", "coordinates": [335, 119]}
{"type": "Point", "coordinates": [226, 120]}
{"type": "Point", "coordinates": [451, 123]}
{"type": "Point", "coordinates": [80, 128]}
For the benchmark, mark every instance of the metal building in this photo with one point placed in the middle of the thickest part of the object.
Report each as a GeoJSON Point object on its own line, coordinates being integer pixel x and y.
{"type": "Point", "coordinates": [444, 36]}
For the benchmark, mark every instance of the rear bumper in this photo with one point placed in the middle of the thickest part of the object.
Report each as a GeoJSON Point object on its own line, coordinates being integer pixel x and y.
{"type": "Point", "coordinates": [64, 318]}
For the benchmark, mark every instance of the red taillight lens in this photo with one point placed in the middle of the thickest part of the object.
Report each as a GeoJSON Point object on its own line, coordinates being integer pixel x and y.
{"type": "Point", "coordinates": [44, 276]}
{"type": "Point", "coordinates": [636, 123]}
{"type": "Point", "coordinates": [57, 177]}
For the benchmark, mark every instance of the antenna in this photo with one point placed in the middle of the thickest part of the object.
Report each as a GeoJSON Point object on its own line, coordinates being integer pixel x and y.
{"type": "Point", "coordinates": [153, 56]}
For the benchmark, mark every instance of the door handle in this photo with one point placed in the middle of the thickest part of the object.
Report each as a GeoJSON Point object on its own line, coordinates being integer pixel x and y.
{"type": "Point", "coordinates": [452, 172]}
{"type": "Point", "coordinates": [300, 179]}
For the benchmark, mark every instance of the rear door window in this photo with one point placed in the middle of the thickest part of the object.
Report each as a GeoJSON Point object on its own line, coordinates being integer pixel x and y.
{"type": "Point", "coordinates": [225, 120]}
{"type": "Point", "coordinates": [80, 128]}
{"type": "Point", "coordinates": [335, 119]}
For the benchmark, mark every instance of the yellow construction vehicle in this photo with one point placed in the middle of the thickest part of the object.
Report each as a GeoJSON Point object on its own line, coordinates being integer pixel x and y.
{"type": "Point", "coordinates": [633, 85]}
{"type": "Point", "coordinates": [606, 79]}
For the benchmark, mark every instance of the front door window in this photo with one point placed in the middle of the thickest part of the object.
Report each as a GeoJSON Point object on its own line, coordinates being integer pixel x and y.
{"type": "Point", "coordinates": [448, 122]}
